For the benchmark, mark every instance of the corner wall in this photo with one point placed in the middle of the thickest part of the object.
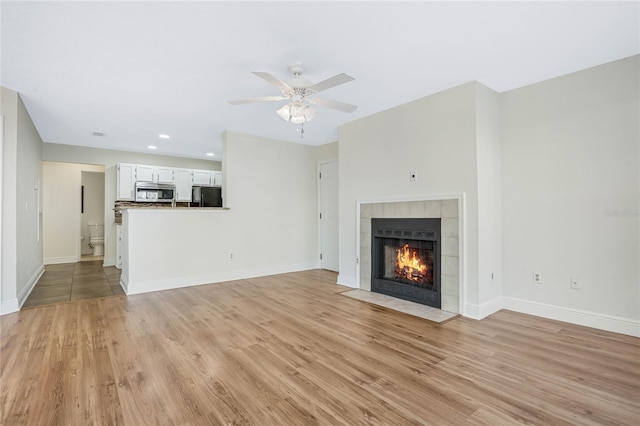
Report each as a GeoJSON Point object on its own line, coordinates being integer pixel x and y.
{"type": "Point", "coordinates": [489, 166]}
{"type": "Point", "coordinates": [551, 178]}
{"type": "Point", "coordinates": [434, 136]}
{"type": "Point", "coordinates": [571, 197]}
{"type": "Point", "coordinates": [271, 193]}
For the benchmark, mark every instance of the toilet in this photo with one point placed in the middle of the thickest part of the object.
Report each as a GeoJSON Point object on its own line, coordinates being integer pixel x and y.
{"type": "Point", "coordinates": [96, 238]}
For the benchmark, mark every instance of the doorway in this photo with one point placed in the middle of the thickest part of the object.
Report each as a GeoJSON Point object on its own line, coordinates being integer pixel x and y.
{"type": "Point", "coordinates": [91, 213]}
{"type": "Point", "coordinates": [62, 207]}
{"type": "Point", "coordinates": [73, 199]}
{"type": "Point", "coordinates": [328, 201]}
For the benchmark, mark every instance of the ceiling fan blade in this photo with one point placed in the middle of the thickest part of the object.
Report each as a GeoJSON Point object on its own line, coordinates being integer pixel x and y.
{"type": "Point", "coordinates": [254, 100]}
{"type": "Point", "coordinates": [329, 103]}
{"type": "Point", "coordinates": [331, 82]}
{"type": "Point", "coordinates": [272, 80]}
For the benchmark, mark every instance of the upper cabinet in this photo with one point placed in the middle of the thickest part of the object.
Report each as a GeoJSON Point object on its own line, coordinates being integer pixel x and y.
{"type": "Point", "coordinates": [217, 178]}
{"type": "Point", "coordinates": [126, 182]}
{"type": "Point", "coordinates": [203, 177]}
{"type": "Point", "coordinates": [207, 178]}
{"type": "Point", "coordinates": [184, 179]}
{"type": "Point", "coordinates": [183, 184]}
{"type": "Point", "coordinates": [154, 174]}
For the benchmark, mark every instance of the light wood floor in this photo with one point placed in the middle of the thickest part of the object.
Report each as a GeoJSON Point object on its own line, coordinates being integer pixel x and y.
{"type": "Point", "coordinates": [290, 350]}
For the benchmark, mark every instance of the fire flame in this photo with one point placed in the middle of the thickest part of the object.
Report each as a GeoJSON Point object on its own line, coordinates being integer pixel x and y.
{"type": "Point", "coordinates": [409, 265]}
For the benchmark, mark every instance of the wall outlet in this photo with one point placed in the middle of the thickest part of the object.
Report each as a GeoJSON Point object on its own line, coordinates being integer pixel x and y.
{"type": "Point", "coordinates": [575, 283]}
{"type": "Point", "coordinates": [230, 255]}
{"type": "Point", "coordinates": [413, 176]}
{"type": "Point", "coordinates": [537, 278]}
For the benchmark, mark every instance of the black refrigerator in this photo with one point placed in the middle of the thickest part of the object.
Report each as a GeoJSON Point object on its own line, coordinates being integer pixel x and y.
{"type": "Point", "coordinates": [207, 196]}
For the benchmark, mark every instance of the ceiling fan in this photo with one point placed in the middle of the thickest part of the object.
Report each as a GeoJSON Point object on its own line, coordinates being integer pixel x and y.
{"type": "Point", "coordinates": [300, 93]}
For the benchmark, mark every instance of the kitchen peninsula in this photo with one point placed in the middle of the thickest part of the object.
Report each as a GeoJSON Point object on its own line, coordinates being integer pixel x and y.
{"type": "Point", "coordinates": [172, 247]}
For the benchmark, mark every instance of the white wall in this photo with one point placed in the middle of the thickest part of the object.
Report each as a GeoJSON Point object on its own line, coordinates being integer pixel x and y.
{"type": "Point", "coordinates": [434, 136]}
{"type": "Point", "coordinates": [489, 160]}
{"type": "Point", "coordinates": [328, 151]}
{"type": "Point", "coordinates": [109, 159]}
{"type": "Point", "coordinates": [270, 226]}
{"type": "Point", "coordinates": [570, 159]}
{"type": "Point", "coordinates": [21, 180]}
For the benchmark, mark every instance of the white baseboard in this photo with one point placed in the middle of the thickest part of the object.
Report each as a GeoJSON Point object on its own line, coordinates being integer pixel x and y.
{"type": "Point", "coordinates": [57, 260]}
{"type": "Point", "coordinates": [620, 325]}
{"type": "Point", "coordinates": [123, 284]}
{"type": "Point", "coordinates": [14, 305]}
{"type": "Point", "coordinates": [109, 261]}
{"type": "Point", "coordinates": [484, 310]}
{"type": "Point", "coordinates": [26, 291]}
{"type": "Point", "coordinates": [348, 281]}
{"type": "Point", "coordinates": [9, 306]}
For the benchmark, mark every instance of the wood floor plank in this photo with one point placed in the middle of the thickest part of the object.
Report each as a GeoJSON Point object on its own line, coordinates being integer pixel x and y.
{"type": "Point", "coordinates": [289, 349]}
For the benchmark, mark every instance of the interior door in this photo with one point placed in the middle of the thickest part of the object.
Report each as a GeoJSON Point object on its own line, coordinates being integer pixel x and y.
{"type": "Point", "coordinates": [329, 215]}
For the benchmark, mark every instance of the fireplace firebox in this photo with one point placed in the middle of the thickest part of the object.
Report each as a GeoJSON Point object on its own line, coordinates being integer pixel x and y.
{"type": "Point", "coordinates": [405, 259]}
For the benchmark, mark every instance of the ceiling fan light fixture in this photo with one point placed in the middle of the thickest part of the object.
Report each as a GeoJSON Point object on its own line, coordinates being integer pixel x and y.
{"type": "Point", "coordinates": [297, 113]}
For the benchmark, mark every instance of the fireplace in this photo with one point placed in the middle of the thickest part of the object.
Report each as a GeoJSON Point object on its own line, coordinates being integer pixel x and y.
{"type": "Point", "coordinates": [405, 259]}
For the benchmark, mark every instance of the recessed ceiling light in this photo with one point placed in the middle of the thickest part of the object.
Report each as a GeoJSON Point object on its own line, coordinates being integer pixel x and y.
{"type": "Point", "coordinates": [210, 154]}
{"type": "Point", "coordinates": [163, 136]}
{"type": "Point", "coordinates": [152, 147]}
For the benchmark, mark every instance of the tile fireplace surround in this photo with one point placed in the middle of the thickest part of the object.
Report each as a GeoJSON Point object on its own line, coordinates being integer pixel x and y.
{"type": "Point", "coordinates": [447, 210]}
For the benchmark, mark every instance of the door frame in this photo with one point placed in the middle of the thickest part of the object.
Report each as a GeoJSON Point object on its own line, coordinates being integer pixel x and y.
{"type": "Point", "coordinates": [319, 209]}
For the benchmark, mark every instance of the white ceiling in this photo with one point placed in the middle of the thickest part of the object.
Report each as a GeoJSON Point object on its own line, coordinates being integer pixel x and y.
{"type": "Point", "coordinates": [134, 70]}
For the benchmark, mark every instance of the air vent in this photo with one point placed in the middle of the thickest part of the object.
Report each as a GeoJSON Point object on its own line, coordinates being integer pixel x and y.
{"type": "Point", "coordinates": [100, 134]}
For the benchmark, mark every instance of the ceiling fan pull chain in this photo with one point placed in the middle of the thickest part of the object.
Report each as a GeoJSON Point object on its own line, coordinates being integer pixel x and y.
{"type": "Point", "coordinates": [301, 130]}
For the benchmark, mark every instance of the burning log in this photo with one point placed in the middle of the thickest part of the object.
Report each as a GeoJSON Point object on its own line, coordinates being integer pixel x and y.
{"type": "Point", "coordinates": [409, 265]}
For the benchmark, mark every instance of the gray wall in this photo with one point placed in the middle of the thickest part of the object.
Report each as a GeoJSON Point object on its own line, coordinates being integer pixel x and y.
{"type": "Point", "coordinates": [571, 160]}
{"type": "Point", "coordinates": [21, 203]}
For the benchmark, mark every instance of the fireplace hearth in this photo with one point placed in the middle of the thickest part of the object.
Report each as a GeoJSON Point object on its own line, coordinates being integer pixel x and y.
{"type": "Point", "coordinates": [405, 259]}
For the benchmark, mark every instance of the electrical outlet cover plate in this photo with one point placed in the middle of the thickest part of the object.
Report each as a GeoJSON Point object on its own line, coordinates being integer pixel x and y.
{"type": "Point", "coordinates": [537, 277]}
{"type": "Point", "coordinates": [575, 283]}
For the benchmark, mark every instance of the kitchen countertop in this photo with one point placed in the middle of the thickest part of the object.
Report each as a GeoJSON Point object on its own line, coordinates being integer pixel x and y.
{"type": "Point", "coordinates": [168, 208]}
{"type": "Point", "coordinates": [125, 205]}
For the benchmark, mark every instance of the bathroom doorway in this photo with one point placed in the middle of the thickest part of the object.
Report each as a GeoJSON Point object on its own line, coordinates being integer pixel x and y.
{"type": "Point", "coordinates": [73, 198]}
{"type": "Point", "coordinates": [91, 215]}
{"type": "Point", "coordinates": [65, 236]}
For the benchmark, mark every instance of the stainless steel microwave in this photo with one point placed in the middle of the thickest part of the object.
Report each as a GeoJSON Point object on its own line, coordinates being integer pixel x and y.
{"type": "Point", "coordinates": [155, 192]}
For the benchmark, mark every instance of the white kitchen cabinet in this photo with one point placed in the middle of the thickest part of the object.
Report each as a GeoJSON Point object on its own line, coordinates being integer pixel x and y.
{"type": "Point", "coordinates": [126, 182]}
{"type": "Point", "coordinates": [217, 178]}
{"type": "Point", "coordinates": [154, 174]}
{"type": "Point", "coordinates": [144, 173]}
{"type": "Point", "coordinates": [183, 184]}
{"type": "Point", "coordinates": [164, 175]}
{"type": "Point", "coordinates": [203, 177]}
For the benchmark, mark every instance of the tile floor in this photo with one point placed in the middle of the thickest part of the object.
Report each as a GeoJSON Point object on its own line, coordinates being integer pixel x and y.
{"type": "Point", "coordinates": [411, 308]}
{"type": "Point", "coordinates": [75, 281]}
